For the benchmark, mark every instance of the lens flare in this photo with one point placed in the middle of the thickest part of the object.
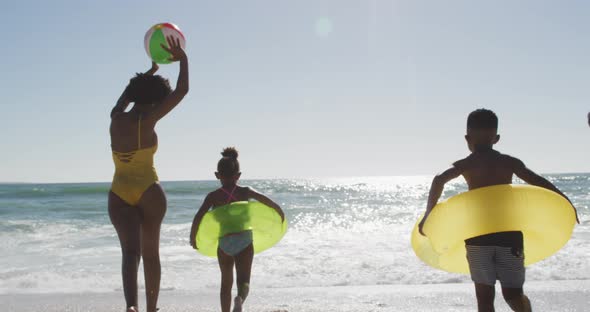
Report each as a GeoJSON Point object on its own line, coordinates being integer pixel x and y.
{"type": "Point", "coordinates": [324, 27]}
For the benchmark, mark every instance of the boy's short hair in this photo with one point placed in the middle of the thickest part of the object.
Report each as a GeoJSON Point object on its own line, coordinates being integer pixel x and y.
{"type": "Point", "coordinates": [482, 119]}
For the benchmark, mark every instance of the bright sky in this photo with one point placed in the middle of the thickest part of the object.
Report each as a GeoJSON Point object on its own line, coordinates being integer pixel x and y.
{"type": "Point", "coordinates": [303, 88]}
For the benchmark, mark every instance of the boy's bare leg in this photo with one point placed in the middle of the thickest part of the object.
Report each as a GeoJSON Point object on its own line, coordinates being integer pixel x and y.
{"type": "Point", "coordinates": [485, 297]}
{"type": "Point", "coordinates": [226, 265]}
{"type": "Point", "coordinates": [516, 299]}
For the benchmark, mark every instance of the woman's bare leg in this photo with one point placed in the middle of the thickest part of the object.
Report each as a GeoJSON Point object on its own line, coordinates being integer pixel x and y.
{"type": "Point", "coordinates": [126, 220]}
{"type": "Point", "coordinates": [153, 208]}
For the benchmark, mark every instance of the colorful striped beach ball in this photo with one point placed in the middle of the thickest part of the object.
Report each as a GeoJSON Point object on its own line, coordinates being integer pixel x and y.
{"type": "Point", "coordinates": [156, 36]}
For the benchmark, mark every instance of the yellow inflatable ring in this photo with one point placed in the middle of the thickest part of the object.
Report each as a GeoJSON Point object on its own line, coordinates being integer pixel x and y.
{"type": "Point", "coordinates": [545, 218]}
{"type": "Point", "coordinates": [264, 222]}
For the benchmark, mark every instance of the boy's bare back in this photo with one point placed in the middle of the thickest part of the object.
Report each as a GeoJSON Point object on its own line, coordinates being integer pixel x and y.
{"type": "Point", "coordinates": [487, 168]}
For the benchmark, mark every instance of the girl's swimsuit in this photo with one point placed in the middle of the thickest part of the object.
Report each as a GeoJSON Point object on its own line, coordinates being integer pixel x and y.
{"type": "Point", "coordinates": [134, 171]}
{"type": "Point", "coordinates": [234, 243]}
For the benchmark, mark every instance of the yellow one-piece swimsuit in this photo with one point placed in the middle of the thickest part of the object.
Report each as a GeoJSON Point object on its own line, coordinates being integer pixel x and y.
{"type": "Point", "coordinates": [134, 171]}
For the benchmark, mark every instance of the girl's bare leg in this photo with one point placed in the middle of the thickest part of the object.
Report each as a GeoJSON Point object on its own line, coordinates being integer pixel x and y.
{"type": "Point", "coordinates": [226, 265]}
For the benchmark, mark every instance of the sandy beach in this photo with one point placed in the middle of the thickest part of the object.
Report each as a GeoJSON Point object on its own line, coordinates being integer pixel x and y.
{"type": "Point", "coordinates": [545, 296]}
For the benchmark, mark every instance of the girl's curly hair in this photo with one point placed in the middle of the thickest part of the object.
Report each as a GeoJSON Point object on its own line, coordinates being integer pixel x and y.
{"type": "Point", "coordinates": [228, 165]}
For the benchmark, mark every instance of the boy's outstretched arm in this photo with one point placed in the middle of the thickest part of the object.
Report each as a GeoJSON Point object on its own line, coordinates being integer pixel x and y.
{"type": "Point", "coordinates": [197, 220]}
{"type": "Point", "coordinates": [267, 201]}
{"type": "Point", "coordinates": [530, 177]}
{"type": "Point", "coordinates": [436, 189]}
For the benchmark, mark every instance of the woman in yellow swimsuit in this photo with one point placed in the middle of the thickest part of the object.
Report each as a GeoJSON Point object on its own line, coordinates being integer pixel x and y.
{"type": "Point", "coordinates": [137, 203]}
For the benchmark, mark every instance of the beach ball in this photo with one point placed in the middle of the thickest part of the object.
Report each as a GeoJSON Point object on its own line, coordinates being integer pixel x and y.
{"type": "Point", "coordinates": [156, 36]}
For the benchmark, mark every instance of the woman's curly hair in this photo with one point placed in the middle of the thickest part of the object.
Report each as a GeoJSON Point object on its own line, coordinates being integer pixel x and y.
{"type": "Point", "coordinates": [147, 89]}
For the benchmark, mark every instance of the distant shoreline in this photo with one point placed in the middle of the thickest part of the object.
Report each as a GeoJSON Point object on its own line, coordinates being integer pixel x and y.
{"type": "Point", "coordinates": [258, 179]}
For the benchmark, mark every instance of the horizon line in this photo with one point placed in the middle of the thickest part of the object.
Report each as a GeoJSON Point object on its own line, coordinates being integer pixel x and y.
{"type": "Point", "coordinates": [262, 178]}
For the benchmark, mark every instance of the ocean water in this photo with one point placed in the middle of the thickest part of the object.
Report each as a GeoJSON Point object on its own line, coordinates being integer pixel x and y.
{"type": "Point", "coordinates": [57, 238]}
